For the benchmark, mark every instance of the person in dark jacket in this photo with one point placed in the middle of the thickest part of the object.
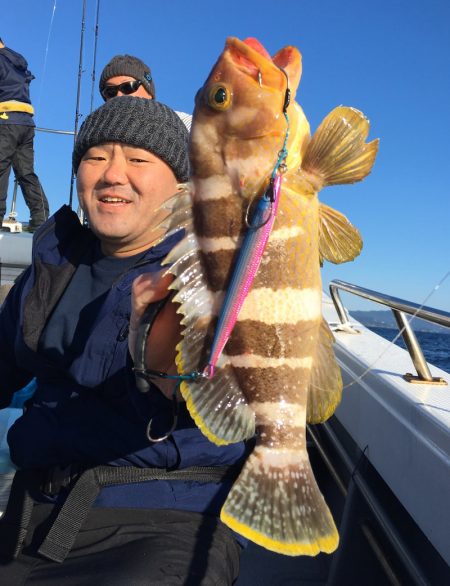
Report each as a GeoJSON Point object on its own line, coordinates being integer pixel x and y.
{"type": "Point", "coordinates": [17, 136]}
{"type": "Point", "coordinates": [92, 491]}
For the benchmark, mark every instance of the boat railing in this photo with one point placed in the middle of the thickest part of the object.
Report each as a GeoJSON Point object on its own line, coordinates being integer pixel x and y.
{"type": "Point", "coordinates": [399, 308]}
{"type": "Point", "coordinates": [53, 131]}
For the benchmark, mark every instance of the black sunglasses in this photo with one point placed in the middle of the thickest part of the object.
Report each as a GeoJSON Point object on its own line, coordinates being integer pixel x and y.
{"type": "Point", "coordinates": [127, 88]}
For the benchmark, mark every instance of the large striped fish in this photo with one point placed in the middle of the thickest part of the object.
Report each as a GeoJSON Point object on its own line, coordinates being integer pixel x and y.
{"type": "Point", "coordinates": [277, 369]}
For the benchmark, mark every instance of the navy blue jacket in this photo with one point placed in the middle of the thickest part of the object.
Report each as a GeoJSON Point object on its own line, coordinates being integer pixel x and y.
{"type": "Point", "coordinates": [15, 81]}
{"type": "Point", "coordinates": [91, 412]}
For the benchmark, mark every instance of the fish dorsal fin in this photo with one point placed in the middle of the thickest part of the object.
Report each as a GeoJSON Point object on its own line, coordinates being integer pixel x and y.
{"type": "Point", "coordinates": [339, 240]}
{"type": "Point", "coordinates": [325, 387]}
{"type": "Point", "coordinates": [337, 152]}
{"type": "Point", "coordinates": [289, 59]}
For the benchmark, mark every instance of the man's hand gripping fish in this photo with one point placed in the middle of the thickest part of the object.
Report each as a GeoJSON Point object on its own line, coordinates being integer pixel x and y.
{"type": "Point", "coordinates": [277, 370]}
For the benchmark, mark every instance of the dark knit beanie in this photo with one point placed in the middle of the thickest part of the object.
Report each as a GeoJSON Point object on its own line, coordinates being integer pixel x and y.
{"type": "Point", "coordinates": [146, 124]}
{"type": "Point", "coordinates": [130, 66]}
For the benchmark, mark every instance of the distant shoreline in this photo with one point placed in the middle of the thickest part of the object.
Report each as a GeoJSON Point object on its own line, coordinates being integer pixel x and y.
{"type": "Point", "coordinates": [444, 331]}
{"type": "Point", "coordinates": [385, 319]}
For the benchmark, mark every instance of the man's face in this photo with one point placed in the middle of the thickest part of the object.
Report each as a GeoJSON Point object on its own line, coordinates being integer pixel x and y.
{"type": "Point", "coordinates": [141, 92]}
{"type": "Point", "coordinates": [119, 189]}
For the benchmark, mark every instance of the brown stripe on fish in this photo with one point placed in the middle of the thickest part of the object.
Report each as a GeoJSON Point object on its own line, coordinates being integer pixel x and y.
{"type": "Point", "coordinates": [219, 267]}
{"type": "Point", "coordinates": [280, 340]}
{"type": "Point", "coordinates": [263, 384]}
{"type": "Point", "coordinates": [221, 217]}
{"type": "Point", "coordinates": [224, 215]}
{"type": "Point", "coordinates": [281, 262]}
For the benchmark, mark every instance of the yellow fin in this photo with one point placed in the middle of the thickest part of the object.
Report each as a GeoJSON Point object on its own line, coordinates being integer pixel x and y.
{"type": "Point", "coordinates": [325, 387]}
{"type": "Point", "coordinates": [339, 240]}
{"type": "Point", "coordinates": [337, 152]}
{"type": "Point", "coordinates": [299, 136]}
{"type": "Point", "coordinates": [217, 405]}
{"type": "Point", "coordinates": [280, 507]}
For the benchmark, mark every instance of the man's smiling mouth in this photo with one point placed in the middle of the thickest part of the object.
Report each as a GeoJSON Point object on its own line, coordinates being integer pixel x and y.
{"type": "Point", "coordinates": [108, 199]}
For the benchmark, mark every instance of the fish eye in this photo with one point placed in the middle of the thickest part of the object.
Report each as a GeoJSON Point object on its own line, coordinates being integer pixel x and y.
{"type": "Point", "coordinates": [220, 96]}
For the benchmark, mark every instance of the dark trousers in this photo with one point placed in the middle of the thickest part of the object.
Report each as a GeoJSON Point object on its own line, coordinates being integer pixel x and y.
{"type": "Point", "coordinates": [16, 151]}
{"type": "Point", "coordinates": [123, 547]}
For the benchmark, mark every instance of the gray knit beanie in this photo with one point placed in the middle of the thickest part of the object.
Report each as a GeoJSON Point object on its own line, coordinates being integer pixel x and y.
{"type": "Point", "coordinates": [146, 124]}
{"type": "Point", "coordinates": [130, 66]}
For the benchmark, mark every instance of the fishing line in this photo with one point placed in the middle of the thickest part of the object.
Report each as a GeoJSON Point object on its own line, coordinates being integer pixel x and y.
{"type": "Point", "coordinates": [38, 108]}
{"type": "Point", "coordinates": [280, 167]}
{"type": "Point", "coordinates": [391, 342]}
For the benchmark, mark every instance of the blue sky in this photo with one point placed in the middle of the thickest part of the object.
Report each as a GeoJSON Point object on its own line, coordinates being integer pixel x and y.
{"type": "Point", "coordinates": [388, 58]}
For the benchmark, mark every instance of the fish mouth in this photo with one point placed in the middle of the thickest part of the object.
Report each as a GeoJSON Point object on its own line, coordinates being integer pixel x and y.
{"type": "Point", "coordinates": [250, 55]}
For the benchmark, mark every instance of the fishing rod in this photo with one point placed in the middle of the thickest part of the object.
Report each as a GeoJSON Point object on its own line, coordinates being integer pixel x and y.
{"type": "Point", "coordinates": [95, 55]}
{"type": "Point", "coordinates": [77, 110]}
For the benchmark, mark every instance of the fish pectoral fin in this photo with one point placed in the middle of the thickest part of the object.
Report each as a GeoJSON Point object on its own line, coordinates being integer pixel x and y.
{"type": "Point", "coordinates": [339, 240]}
{"type": "Point", "coordinates": [325, 387]}
{"type": "Point", "coordinates": [337, 152]}
{"type": "Point", "coordinates": [218, 406]}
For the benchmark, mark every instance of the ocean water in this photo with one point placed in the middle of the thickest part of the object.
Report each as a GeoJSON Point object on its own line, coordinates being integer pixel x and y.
{"type": "Point", "coordinates": [435, 346]}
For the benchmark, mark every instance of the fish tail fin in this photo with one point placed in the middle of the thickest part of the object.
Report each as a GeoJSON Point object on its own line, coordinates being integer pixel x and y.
{"type": "Point", "coordinates": [278, 505]}
{"type": "Point", "coordinates": [337, 152]}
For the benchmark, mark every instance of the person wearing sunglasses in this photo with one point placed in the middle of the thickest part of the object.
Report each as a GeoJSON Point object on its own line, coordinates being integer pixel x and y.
{"type": "Point", "coordinates": [126, 75]}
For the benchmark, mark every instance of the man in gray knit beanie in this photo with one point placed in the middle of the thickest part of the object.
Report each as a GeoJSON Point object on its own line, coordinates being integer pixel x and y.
{"type": "Point", "coordinates": [119, 74]}
{"type": "Point", "coordinates": [129, 157]}
{"type": "Point", "coordinates": [146, 124]}
{"type": "Point", "coordinates": [127, 75]}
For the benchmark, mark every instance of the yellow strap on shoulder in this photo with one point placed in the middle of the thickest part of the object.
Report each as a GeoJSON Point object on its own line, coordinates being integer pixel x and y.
{"type": "Point", "coordinates": [15, 106]}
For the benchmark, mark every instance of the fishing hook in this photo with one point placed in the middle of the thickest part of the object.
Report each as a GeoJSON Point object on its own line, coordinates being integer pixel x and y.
{"type": "Point", "coordinates": [287, 95]}
{"type": "Point", "coordinates": [259, 78]}
{"type": "Point", "coordinates": [149, 374]}
{"type": "Point", "coordinates": [174, 422]}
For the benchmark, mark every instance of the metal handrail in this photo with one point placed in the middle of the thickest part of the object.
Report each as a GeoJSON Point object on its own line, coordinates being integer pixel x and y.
{"type": "Point", "coordinates": [399, 308]}
{"type": "Point", "coordinates": [53, 131]}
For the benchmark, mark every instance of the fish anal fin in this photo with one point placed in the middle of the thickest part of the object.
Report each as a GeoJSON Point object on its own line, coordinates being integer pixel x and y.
{"type": "Point", "coordinates": [325, 387]}
{"type": "Point", "coordinates": [339, 240]}
{"type": "Point", "coordinates": [280, 507]}
{"type": "Point", "coordinates": [337, 152]}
